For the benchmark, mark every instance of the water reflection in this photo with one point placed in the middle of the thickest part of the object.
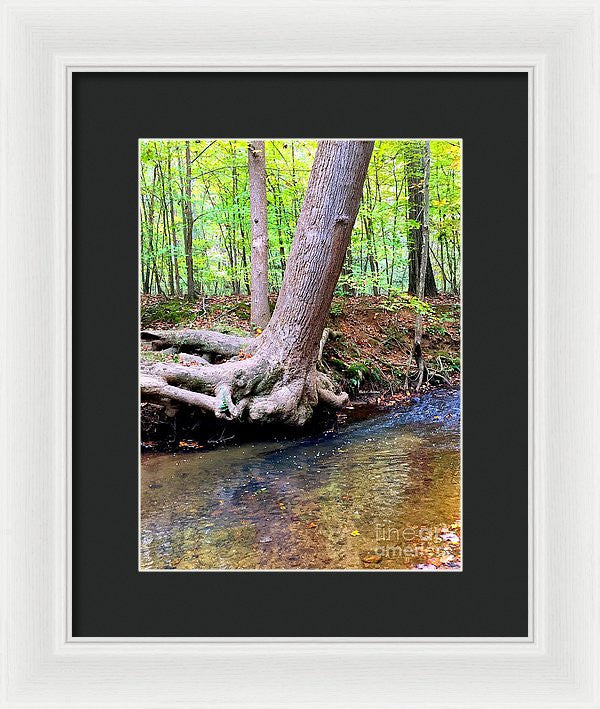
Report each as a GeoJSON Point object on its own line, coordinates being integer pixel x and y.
{"type": "Point", "coordinates": [379, 494]}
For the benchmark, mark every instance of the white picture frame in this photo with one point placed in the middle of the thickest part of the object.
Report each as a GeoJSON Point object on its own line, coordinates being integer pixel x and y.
{"type": "Point", "coordinates": [557, 44]}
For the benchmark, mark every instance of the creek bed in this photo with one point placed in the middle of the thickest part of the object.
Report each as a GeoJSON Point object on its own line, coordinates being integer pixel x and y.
{"type": "Point", "coordinates": [382, 493]}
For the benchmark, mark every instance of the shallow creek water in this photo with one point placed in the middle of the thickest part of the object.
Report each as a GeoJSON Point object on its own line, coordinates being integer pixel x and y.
{"type": "Point", "coordinates": [382, 493]}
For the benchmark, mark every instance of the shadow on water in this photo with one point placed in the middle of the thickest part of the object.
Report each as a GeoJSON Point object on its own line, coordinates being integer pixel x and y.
{"type": "Point", "coordinates": [382, 493]}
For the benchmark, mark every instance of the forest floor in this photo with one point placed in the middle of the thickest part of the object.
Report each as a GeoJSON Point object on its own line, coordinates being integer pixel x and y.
{"type": "Point", "coordinates": [367, 350]}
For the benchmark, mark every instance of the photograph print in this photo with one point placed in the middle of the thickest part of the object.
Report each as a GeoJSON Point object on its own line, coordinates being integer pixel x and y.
{"type": "Point", "coordinates": [300, 354]}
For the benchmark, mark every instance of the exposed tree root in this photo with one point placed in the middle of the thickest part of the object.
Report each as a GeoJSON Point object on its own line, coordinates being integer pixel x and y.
{"type": "Point", "coordinates": [201, 341]}
{"type": "Point", "coordinates": [322, 343]}
{"type": "Point", "coordinates": [193, 359]}
{"type": "Point", "coordinates": [253, 389]}
{"type": "Point", "coordinates": [327, 394]}
{"type": "Point", "coordinates": [330, 398]}
{"type": "Point", "coordinates": [161, 389]}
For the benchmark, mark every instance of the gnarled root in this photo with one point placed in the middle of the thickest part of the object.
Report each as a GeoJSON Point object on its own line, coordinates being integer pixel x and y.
{"type": "Point", "coordinates": [327, 394]}
{"type": "Point", "coordinates": [335, 401]}
{"type": "Point", "coordinates": [159, 388]}
{"type": "Point", "coordinates": [205, 385]}
{"type": "Point", "coordinates": [289, 402]}
{"type": "Point", "coordinates": [252, 389]}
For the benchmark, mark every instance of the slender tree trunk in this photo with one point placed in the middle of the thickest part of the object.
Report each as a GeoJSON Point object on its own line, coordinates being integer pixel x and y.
{"type": "Point", "coordinates": [245, 264]}
{"type": "Point", "coordinates": [347, 285]}
{"type": "Point", "coordinates": [175, 250]}
{"type": "Point", "coordinates": [279, 382]}
{"type": "Point", "coordinates": [373, 265]}
{"type": "Point", "coordinates": [418, 350]}
{"type": "Point", "coordinates": [169, 257]}
{"type": "Point", "coordinates": [189, 223]}
{"type": "Point", "coordinates": [396, 195]}
{"type": "Point", "coordinates": [237, 218]}
{"type": "Point", "coordinates": [144, 268]}
{"type": "Point", "coordinates": [259, 256]}
{"type": "Point", "coordinates": [378, 200]}
{"type": "Point", "coordinates": [415, 170]}
{"type": "Point", "coordinates": [279, 216]}
{"type": "Point", "coordinates": [169, 228]}
{"type": "Point", "coordinates": [367, 219]}
{"type": "Point", "coordinates": [442, 265]}
{"type": "Point", "coordinates": [153, 266]}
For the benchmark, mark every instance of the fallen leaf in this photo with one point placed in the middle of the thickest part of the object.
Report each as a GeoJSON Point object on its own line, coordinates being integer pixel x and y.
{"type": "Point", "coordinates": [189, 444]}
{"type": "Point", "coordinates": [372, 558]}
{"type": "Point", "coordinates": [450, 537]}
{"type": "Point", "coordinates": [354, 533]}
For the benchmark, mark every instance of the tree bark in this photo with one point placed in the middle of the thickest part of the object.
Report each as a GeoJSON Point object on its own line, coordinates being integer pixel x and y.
{"type": "Point", "coordinates": [259, 256]}
{"type": "Point", "coordinates": [417, 348]}
{"type": "Point", "coordinates": [415, 174]}
{"type": "Point", "coordinates": [189, 223]}
{"type": "Point", "coordinates": [276, 379]}
{"type": "Point", "coordinates": [348, 284]}
{"type": "Point", "coordinates": [175, 249]}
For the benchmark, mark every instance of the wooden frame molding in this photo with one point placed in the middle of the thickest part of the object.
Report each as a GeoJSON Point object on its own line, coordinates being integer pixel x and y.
{"type": "Point", "coordinates": [556, 43]}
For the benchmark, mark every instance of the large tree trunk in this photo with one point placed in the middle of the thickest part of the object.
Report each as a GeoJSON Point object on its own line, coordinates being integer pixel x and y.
{"type": "Point", "coordinates": [277, 379]}
{"type": "Point", "coordinates": [259, 282]}
{"type": "Point", "coordinates": [415, 176]}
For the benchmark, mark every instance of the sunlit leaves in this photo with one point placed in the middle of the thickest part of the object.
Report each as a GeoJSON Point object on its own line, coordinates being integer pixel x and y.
{"type": "Point", "coordinates": [220, 205]}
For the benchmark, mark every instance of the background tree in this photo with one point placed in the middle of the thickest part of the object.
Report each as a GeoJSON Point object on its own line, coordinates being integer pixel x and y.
{"type": "Point", "coordinates": [188, 221]}
{"type": "Point", "coordinates": [259, 255]}
{"type": "Point", "coordinates": [417, 178]}
{"type": "Point", "coordinates": [423, 263]}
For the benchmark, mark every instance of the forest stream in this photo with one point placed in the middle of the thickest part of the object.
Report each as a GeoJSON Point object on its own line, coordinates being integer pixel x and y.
{"type": "Point", "coordinates": [382, 493]}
